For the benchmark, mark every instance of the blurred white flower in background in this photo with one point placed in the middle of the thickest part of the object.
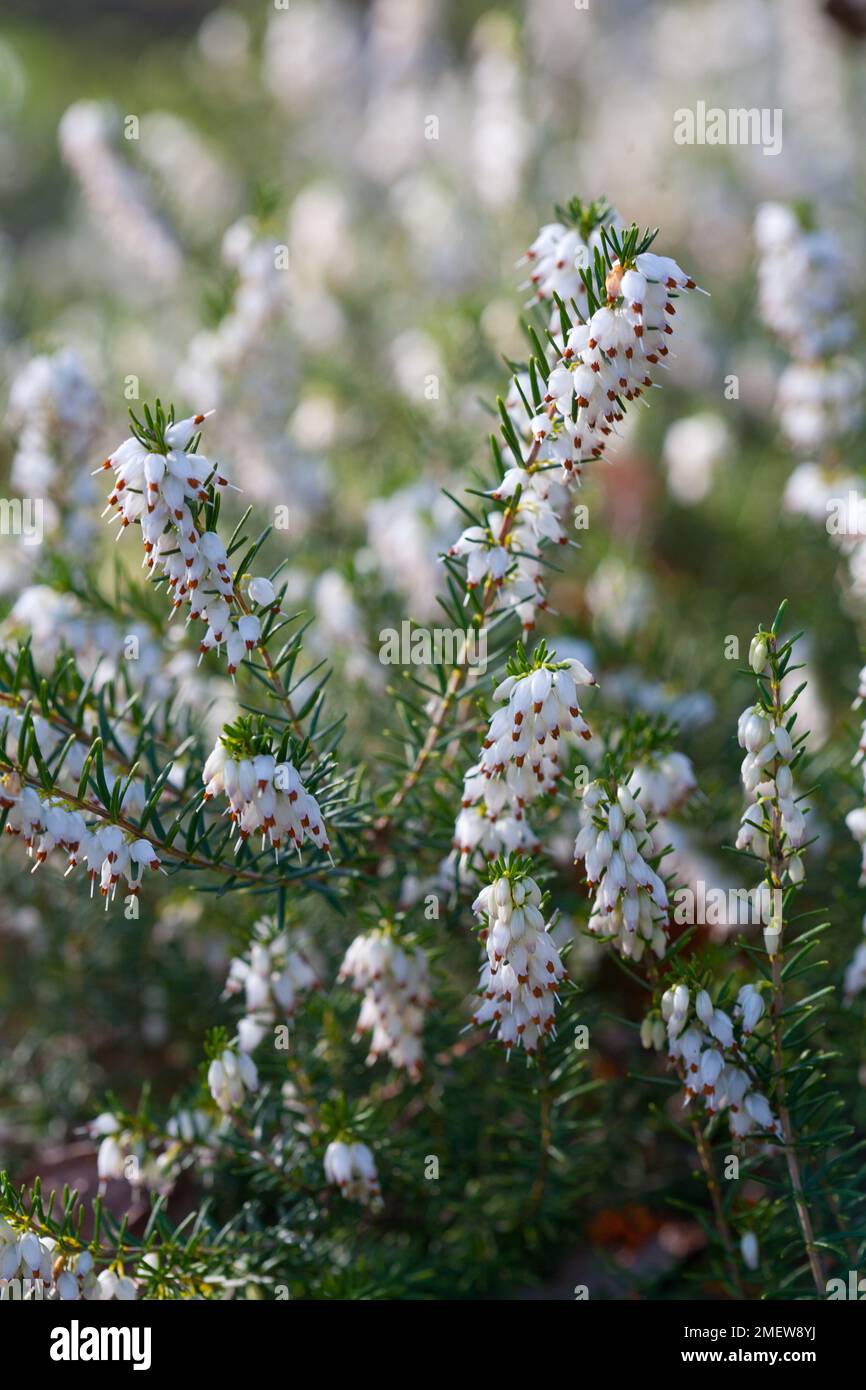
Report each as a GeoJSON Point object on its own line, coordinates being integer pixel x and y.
{"type": "Point", "coordinates": [693, 447]}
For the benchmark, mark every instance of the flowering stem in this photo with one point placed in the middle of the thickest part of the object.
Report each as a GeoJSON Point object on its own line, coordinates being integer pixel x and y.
{"type": "Point", "coordinates": [192, 860]}
{"type": "Point", "coordinates": [709, 1170]}
{"type": "Point", "coordinates": [279, 689]}
{"type": "Point", "coordinates": [712, 1182]}
{"type": "Point", "coordinates": [17, 702]}
{"type": "Point", "coordinates": [455, 680]}
{"type": "Point", "coordinates": [776, 868]}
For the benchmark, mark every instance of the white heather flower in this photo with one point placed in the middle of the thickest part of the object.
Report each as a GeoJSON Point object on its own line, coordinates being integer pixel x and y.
{"type": "Point", "coordinates": [492, 820]}
{"type": "Point", "coordinates": [393, 979]}
{"type": "Point", "coordinates": [110, 1159]}
{"type": "Point", "coordinates": [230, 1076]}
{"type": "Point", "coordinates": [352, 1168]}
{"type": "Point", "coordinates": [520, 759]}
{"type": "Point", "coordinates": [262, 591]}
{"type": "Point", "coordinates": [750, 1008]}
{"type": "Point", "coordinates": [749, 1250]}
{"type": "Point", "coordinates": [522, 972]}
{"type": "Point", "coordinates": [116, 1286]}
{"type": "Point", "coordinates": [273, 976]}
{"type": "Point", "coordinates": [555, 259]}
{"type": "Point", "coordinates": [34, 1258]}
{"type": "Point", "coordinates": [265, 797]}
{"type": "Point", "coordinates": [55, 417]}
{"type": "Point", "coordinates": [758, 654]}
{"type": "Point", "coordinates": [604, 364]}
{"type": "Point", "coordinates": [631, 901]}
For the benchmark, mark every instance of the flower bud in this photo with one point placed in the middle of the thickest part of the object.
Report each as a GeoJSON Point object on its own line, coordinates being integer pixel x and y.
{"type": "Point", "coordinates": [758, 654]}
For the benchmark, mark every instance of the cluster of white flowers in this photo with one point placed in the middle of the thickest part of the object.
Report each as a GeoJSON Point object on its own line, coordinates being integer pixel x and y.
{"type": "Point", "coordinates": [804, 299]}
{"type": "Point", "coordinates": [352, 1168]}
{"type": "Point", "coordinates": [45, 823]}
{"type": "Point", "coordinates": [803, 284]}
{"type": "Point", "coordinates": [819, 402]}
{"type": "Point", "coordinates": [706, 1045]}
{"type": "Point", "coordinates": [506, 553]}
{"type": "Point", "coordinates": [539, 706]}
{"type": "Point", "coordinates": [520, 757]}
{"type": "Point", "coordinates": [492, 819]}
{"type": "Point", "coordinates": [606, 362]}
{"type": "Point", "coordinates": [273, 976]}
{"type": "Point", "coordinates": [35, 1262]}
{"type": "Point", "coordinates": [126, 1155]}
{"type": "Point", "coordinates": [821, 392]}
{"type": "Point", "coordinates": [773, 815]}
{"type": "Point", "coordinates": [522, 972]}
{"type": "Point", "coordinates": [54, 410]}
{"type": "Point", "coordinates": [155, 490]}
{"type": "Point", "coordinates": [230, 1076]}
{"type": "Point", "coordinates": [265, 796]}
{"type": "Point", "coordinates": [662, 783]}
{"type": "Point", "coordinates": [555, 260]}
{"type": "Point", "coordinates": [631, 900]}
{"type": "Point", "coordinates": [393, 979]}
{"type": "Point", "coordinates": [219, 356]}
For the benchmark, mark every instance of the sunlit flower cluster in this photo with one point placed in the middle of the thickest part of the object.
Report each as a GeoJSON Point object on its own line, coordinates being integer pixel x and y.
{"type": "Point", "coordinates": [520, 757]}
{"type": "Point", "coordinates": [44, 1272]}
{"type": "Point", "coordinates": [522, 972]}
{"type": "Point", "coordinates": [393, 978]}
{"type": "Point", "coordinates": [706, 1045]}
{"type": "Point", "coordinates": [265, 797]}
{"type": "Point", "coordinates": [230, 1076]}
{"type": "Point", "coordinates": [773, 822]}
{"type": "Point", "coordinates": [352, 1168]}
{"type": "Point", "coordinates": [630, 906]}
{"type": "Point", "coordinates": [662, 782]}
{"type": "Point", "coordinates": [607, 361]}
{"type": "Point", "coordinates": [273, 975]}
{"type": "Point", "coordinates": [107, 852]}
